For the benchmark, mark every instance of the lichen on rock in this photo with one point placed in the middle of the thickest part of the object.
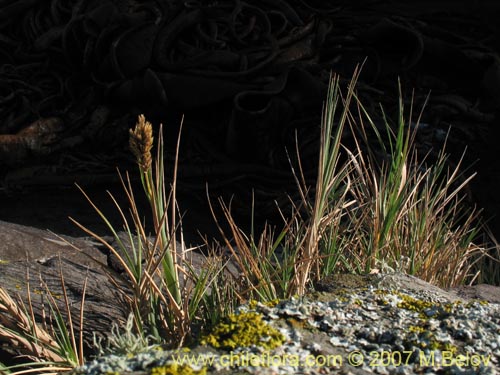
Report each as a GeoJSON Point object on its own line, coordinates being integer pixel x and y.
{"type": "Point", "coordinates": [175, 369]}
{"type": "Point", "coordinates": [244, 330]}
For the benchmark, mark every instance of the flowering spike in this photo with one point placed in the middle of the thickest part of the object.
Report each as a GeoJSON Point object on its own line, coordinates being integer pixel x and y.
{"type": "Point", "coordinates": [141, 142]}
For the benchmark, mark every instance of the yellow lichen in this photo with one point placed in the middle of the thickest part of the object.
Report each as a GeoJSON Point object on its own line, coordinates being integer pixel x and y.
{"type": "Point", "coordinates": [428, 309]}
{"type": "Point", "coordinates": [297, 323]}
{"type": "Point", "coordinates": [416, 329]}
{"type": "Point", "coordinates": [272, 303]}
{"type": "Point", "coordinates": [427, 340]}
{"type": "Point", "coordinates": [358, 302]}
{"type": "Point", "coordinates": [342, 299]}
{"type": "Point", "coordinates": [413, 304]}
{"type": "Point", "coordinates": [473, 302]}
{"type": "Point", "coordinates": [253, 303]}
{"type": "Point", "coordinates": [175, 369]}
{"type": "Point", "coordinates": [244, 330]}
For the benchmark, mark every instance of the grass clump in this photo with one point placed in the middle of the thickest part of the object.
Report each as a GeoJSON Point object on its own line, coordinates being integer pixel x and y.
{"type": "Point", "coordinates": [160, 291]}
{"type": "Point", "coordinates": [310, 243]}
{"type": "Point", "coordinates": [410, 214]}
{"type": "Point", "coordinates": [160, 288]}
{"type": "Point", "coordinates": [53, 345]}
{"type": "Point", "coordinates": [364, 214]}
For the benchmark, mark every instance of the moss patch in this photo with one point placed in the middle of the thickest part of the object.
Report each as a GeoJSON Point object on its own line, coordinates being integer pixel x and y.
{"type": "Point", "coordinates": [254, 303]}
{"type": "Point", "coordinates": [244, 330]}
{"type": "Point", "coordinates": [413, 304]}
{"type": "Point", "coordinates": [175, 369]}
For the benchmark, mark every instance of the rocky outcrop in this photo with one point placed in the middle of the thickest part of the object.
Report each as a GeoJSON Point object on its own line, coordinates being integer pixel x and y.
{"type": "Point", "coordinates": [30, 256]}
{"type": "Point", "coordinates": [37, 258]}
{"type": "Point", "coordinates": [482, 292]}
{"type": "Point", "coordinates": [384, 324]}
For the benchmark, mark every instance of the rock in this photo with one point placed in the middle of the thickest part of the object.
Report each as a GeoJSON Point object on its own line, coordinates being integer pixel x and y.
{"type": "Point", "coordinates": [38, 258]}
{"type": "Point", "coordinates": [343, 282]}
{"type": "Point", "coordinates": [21, 243]}
{"type": "Point", "coordinates": [484, 292]}
{"type": "Point", "coordinates": [33, 256]}
{"type": "Point", "coordinates": [360, 330]}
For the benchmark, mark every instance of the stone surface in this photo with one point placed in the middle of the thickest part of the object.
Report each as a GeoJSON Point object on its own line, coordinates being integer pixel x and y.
{"type": "Point", "coordinates": [38, 258]}
{"type": "Point", "coordinates": [29, 255]}
{"type": "Point", "coordinates": [384, 324]}
{"type": "Point", "coordinates": [20, 243]}
{"type": "Point", "coordinates": [485, 292]}
{"type": "Point", "coordinates": [334, 283]}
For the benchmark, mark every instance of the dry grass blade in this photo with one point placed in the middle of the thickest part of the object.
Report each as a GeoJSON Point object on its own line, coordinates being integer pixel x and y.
{"type": "Point", "coordinates": [45, 370]}
{"type": "Point", "coordinates": [121, 258]}
{"type": "Point", "coordinates": [18, 329]}
{"type": "Point", "coordinates": [155, 272]}
{"type": "Point", "coordinates": [50, 348]}
{"type": "Point", "coordinates": [328, 183]}
{"type": "Point", "coordinates": [240, 251]}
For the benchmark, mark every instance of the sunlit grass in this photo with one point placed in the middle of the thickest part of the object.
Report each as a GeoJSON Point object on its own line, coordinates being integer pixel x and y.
{"type": "Point", "coordinates": [161, 289]}
{"type": "Point", "coordinates": [411, 216]}
{"type": "Point", "coordinates": [47, 348]}
{"type": "Point", "coordinates": [364, 214]}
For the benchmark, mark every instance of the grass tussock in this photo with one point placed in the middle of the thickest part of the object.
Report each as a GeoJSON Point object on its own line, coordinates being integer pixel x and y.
{"type": "Point", "coordinates": [411, 216]}
{"type": "Point", "coordinates": [45, 347]}
{"type": "Point", "coordinates": [161, 289]}
{"type": "Point", "coordinates": [364, 214]}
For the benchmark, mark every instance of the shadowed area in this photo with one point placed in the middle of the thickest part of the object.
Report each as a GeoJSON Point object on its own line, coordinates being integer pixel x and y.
{"type": "Point", "coordinates": [250, 80]}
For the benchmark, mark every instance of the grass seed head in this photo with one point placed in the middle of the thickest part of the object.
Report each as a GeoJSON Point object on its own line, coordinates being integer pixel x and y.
{"type": "Point", "coordinates": [141, 142]}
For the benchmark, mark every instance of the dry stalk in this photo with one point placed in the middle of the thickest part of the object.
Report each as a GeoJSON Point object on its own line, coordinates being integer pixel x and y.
{"type": "Point", "coordinates": [18, 329]}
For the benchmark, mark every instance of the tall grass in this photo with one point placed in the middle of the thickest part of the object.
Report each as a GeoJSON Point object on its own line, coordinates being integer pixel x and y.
{"type": "Point", "coordinates": [47, 347]}
{"type": "Point", "coordinates": [161, 289]}
{"type": "Point", "coordinates": [363, 214]}
{"type": "Point", "coordinates": [161, 293]}
{"type": "Point", "coordinates": [411, 214]}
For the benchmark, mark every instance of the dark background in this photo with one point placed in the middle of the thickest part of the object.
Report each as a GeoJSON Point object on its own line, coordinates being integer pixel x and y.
{"type": "Point", "coordinates": [39, 190]}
